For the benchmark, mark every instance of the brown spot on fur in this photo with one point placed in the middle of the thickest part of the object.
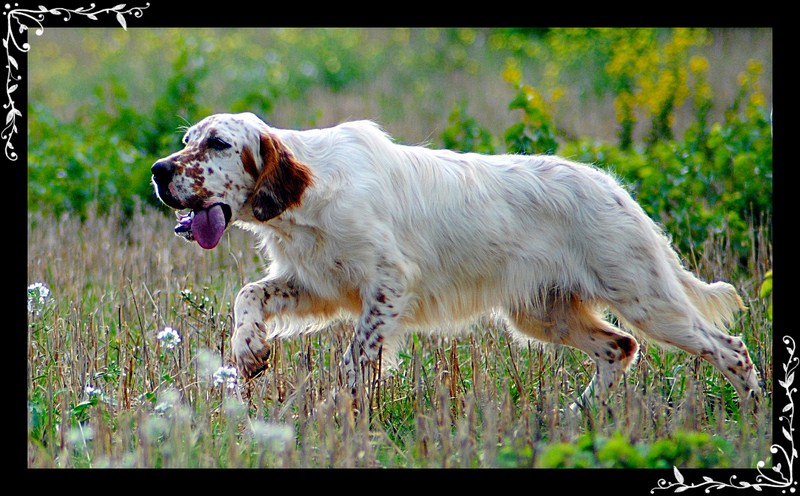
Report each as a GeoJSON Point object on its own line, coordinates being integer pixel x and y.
{"type": "Point", "coordinates": [187, 161]}
{"type": "Point", "coordinates": [195, 172]}
{"type": "Point", "coordinates": [249, 163]}
{"type": "Point", "coordinates": [627, 344]}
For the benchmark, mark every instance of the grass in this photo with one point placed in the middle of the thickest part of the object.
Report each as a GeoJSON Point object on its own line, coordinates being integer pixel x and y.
{"type": "Point", "coordinates": [105, 392]}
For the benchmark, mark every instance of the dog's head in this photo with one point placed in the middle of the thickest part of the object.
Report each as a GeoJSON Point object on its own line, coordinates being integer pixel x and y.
{"type": "Point", "coordinates": [232, 168]}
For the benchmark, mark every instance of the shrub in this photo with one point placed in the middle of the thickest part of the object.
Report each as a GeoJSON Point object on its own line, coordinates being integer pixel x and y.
{"type": "Point", "coordinates": [694, 449]}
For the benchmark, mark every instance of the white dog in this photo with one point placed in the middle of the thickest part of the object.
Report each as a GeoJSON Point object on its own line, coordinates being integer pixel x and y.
{"type": "Point", "coordinates": [405, 236]}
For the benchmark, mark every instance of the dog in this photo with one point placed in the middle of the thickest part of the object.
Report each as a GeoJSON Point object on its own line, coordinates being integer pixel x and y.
{"type": "Point", "coordinates": [402, 237]}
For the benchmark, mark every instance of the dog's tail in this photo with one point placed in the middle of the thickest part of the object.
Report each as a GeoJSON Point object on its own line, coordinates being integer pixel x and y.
{"type": "Point", "coordinates": [718, 302]}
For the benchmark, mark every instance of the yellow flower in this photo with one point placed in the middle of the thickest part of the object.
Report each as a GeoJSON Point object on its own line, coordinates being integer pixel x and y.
{"type": "Point", "coordinates": [755, 67]}
{"type": "Point", "coordinates": [757, 99]}
{"type": "Point", "coordinates": [742, 78]}
{"type": "Point", "coordinates": [512, 73]}
{"type": "Point", "coordinates": [698, 64]}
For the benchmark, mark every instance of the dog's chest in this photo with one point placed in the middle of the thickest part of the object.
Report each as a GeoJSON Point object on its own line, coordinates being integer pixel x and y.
{"type": "Point", "coordinates": [319, 260]}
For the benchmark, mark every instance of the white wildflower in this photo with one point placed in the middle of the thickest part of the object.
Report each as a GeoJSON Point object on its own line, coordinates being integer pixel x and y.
{"type": "Point", "coordinates": [169, 338]}
{"type": "Point", "coordinates": [226, 375]}
{"type": "Point", "coordinates": [38, 294]}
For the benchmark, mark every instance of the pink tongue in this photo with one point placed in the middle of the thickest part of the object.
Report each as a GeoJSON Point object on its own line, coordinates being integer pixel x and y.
{"type": "Point", "coordinates": [208, 226]}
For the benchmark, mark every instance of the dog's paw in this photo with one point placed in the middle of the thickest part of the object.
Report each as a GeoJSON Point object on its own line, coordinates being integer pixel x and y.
{"type": "Point", "coordinates": [251, 350]}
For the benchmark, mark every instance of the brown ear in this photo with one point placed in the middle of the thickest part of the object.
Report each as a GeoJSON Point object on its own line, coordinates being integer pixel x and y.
{"type": "Point", "coordinates": [281, 182]}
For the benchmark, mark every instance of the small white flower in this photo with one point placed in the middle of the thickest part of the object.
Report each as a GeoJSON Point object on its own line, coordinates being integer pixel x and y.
{"type": "Point", "coordinates": [226, 375]}
{"type": "Point", "coordinates": [38, 294]}
{"type": "Point", "coordinates": [169, 338]}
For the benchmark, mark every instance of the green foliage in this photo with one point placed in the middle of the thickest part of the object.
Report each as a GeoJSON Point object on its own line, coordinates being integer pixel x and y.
{"type": "Point", "coordinates": [534, 133]}
{"type": "Point", "coordinates": [694, 449]}
{"type": "Point", "coordinates": [464, 134]}
{"type": "Point", "coordinates": [102, 157]}
{"type": "Point", "coordinates": [83, 165]}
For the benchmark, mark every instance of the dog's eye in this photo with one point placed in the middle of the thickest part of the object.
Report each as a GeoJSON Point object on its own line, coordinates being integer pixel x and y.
{"type": "Point", "coordinates": [218, 144]}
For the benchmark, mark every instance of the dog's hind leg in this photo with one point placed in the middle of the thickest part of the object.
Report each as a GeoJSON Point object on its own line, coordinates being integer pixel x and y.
{"type": "Point", "coordinates": [574, 323]}
{"type": "Point", "coordinates": [680, 324]}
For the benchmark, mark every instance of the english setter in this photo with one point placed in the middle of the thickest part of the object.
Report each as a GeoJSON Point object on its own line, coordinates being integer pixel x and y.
{"type": "Point", "coordinates": [402, 236]}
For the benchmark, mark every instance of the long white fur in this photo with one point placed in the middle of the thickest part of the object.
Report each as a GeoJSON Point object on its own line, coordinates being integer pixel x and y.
{"type": "Point", "coordinates": [472, 232]}
{"type": "Point", "coordinates": [460, 235]}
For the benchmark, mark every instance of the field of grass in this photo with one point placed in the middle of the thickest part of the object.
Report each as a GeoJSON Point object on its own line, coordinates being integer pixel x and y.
{"type": "Point", "coordinates": [106, 391]}
{"type": "Point", "coordinates": [110, 384]}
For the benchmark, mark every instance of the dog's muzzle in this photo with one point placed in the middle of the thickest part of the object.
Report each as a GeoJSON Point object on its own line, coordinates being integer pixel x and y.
{"type": "Point", "coordinates": [204, 224]}
{"type": "Point", "coordinates": [163, 172]}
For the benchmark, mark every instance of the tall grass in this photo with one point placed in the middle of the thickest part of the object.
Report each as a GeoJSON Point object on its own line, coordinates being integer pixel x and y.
{"type": "Point", "coordinates": [104, 391]}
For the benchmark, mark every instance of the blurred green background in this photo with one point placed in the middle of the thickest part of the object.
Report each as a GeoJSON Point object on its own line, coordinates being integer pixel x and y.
{"type": "Point", "coordinates": [682, 116]}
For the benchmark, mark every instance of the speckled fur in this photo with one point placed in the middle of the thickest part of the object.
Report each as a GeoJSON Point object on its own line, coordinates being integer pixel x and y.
{"type": "Point", "coordinates": [398, 237]}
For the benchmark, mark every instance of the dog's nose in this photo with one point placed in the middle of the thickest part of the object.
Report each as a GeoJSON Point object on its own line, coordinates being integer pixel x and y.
{"type": "Point", "coordinates": [163, 170]}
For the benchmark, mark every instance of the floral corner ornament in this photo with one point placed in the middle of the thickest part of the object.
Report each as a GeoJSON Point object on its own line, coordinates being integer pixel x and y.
{"type": "Point", "coordinates": [17, 22]}
{"type": "Point", "coordinates": [782, 476]}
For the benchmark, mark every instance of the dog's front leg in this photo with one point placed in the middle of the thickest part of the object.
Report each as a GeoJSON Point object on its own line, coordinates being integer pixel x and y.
{"type": "Point", "coordinates": [382, 307]}
{"type": "Point", "coordinates": [255, 305]}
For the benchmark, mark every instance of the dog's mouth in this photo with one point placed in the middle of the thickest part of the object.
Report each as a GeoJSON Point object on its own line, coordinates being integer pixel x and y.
{"type": "Point", "coordinates": [204, 225]}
